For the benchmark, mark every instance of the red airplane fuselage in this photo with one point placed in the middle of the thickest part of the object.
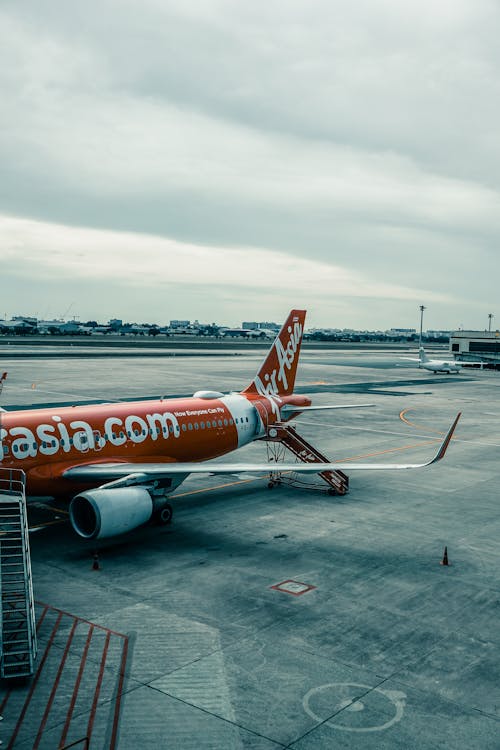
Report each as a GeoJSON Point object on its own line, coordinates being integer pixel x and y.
{"type": "Point", "coordinates": [46, 442]}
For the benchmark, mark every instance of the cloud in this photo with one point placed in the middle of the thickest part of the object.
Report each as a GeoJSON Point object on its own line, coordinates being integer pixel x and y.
{"type": "Point", "coordinates": [51, 251]}
{"type": "Point", "coordinates": [360, 138]}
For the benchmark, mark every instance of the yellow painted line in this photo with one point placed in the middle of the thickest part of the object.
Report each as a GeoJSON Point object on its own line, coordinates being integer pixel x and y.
{"type": "Point", "coordinates": [402, 416]}
{"type": "Point", "coordinates": [389, 450]}
{"type": "Point", "coordinates": [47, 523]}
{"type": "Point", "coordinates": [218, 487]}
{"type": "Point", "coordinates": [51, 508]}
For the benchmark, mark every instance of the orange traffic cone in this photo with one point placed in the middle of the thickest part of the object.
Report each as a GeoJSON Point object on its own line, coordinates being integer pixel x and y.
{"type": "Point", "coordinates": [95, 564]}
{"type": "Point", "coordinates": [444, 561]}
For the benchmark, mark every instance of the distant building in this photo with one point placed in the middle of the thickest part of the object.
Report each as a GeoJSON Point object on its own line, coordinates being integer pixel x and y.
{"type": "Point", "coordinates": [263, 325]}
{"type": "Point", "coordinates": [474, 345]}
{"type": "Point", "coordinates": [180, 323]}
{"type": "Point", "coordinates": [402, 331]}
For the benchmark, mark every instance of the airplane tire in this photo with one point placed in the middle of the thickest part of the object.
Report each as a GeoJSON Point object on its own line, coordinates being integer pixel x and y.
{"type": "Point", "coordinates": [270, 485]}
{"type": "Point", "coordinates": [164, 516]}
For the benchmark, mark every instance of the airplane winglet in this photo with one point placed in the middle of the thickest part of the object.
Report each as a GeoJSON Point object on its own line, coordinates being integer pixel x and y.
{"type": "Point", "coordinates": [444, 445]}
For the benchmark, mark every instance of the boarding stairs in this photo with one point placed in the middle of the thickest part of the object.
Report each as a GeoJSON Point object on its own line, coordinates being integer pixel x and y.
{"type": "Point", "coordinates": [18, 644]}
{"type": "Point", "coordinates": [286, 435]}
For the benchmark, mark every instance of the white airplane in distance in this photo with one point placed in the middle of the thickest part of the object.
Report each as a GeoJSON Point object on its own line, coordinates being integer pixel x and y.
{"type": "Point", "coordinates": [439, 365]}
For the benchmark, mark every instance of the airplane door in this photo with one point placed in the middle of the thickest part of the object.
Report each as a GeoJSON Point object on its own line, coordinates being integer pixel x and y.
{"type": "Point", "coordinates": [263, 421]}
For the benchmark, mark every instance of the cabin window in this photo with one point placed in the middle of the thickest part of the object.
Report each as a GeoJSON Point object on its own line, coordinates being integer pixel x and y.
{"type": "Point", "coordinates": [231, 421]}
{"type": "Point", "coordinates": [171, 429]}
{"type": "Point", "coordinates": [184, 428]}
{"type": "Point", "coordinates": [190, 425]}
{"type": "Point", "coordinates": [196, 426]}
{"type": "Point", "coordinates": [225, 423]}
{"type": "Point", "coordinates": [214, 423]}
{"type": "Point", "coordinates": [220, 422]}
{"type": "Point", "coordinates": [202, 425]}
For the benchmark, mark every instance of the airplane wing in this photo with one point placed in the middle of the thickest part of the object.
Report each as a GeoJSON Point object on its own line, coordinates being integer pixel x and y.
{"type": "Point", "coordinates": [131, 473]}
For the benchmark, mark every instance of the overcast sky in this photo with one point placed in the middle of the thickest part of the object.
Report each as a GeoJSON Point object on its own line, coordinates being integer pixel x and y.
{"type": "Point", "coordinates": [227, 161]}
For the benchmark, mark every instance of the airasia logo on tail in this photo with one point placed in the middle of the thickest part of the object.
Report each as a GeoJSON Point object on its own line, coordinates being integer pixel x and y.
{"type": "Point", "coordinates": [271, 384]}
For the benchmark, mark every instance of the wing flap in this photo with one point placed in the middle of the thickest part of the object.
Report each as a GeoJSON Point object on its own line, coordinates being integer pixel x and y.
{"type": "Point", "coordinates": [289, 409]}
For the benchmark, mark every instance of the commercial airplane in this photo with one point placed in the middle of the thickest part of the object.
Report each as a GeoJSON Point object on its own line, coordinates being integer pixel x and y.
{"type": "Point", "coordinates": [436, 365]}
{"type": "Point", "coordinates": [119, 461]}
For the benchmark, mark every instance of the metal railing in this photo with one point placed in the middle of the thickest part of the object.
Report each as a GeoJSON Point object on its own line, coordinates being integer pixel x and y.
{"type": "Point", "coordinates": [12, 480]}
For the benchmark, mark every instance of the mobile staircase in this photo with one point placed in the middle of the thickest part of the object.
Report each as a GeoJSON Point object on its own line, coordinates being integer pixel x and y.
{"type": "Point", "coordinates": [285, 435]}
{"type": "Point", "coordinates": [18, 644]}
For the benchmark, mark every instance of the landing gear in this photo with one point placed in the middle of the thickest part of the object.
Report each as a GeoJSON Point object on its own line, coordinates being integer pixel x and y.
{"type": "Point", "coordinates": [274, 480]}
{"type": "Point", "coordinates": [163, 516]}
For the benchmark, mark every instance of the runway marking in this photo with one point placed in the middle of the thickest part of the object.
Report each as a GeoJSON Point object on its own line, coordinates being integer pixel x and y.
{"type": "Point", "coordinates": [54, 686]}
{"type": "Point", "coordinates": [388, 450]}
{"type": "Point", "coordinates": [295, 588]}
{"type": "Point", "coordinates": [76, 687]}
{"type": "Point", "coordinates": [352, 704]}
{"type": "Point", "coordinates": [220, 486]}
{"type": "Point", "coordinates": [44, 695]}
{"type": "Point", "coordinates": [34, 683]}
{"type": "Point", "coordinates": [417, 426]}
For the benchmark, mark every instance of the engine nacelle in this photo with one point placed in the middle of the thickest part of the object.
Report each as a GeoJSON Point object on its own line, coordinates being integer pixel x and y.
{"type": "Point", "coordinates": [98, 514]}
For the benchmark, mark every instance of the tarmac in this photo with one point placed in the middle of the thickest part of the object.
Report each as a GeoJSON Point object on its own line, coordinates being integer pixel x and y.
{"type": "Point", "coordinates": [277, 618]}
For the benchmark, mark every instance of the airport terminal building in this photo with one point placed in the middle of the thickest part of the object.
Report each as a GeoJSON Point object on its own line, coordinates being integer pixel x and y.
{"type": "Point", "coordinates": [476, 345]}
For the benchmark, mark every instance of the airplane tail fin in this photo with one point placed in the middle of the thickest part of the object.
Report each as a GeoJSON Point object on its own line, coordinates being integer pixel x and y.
{"type": "Point", "coordinates": [276, 375]}
{"type": "Point", "coordinates": [422, 355]}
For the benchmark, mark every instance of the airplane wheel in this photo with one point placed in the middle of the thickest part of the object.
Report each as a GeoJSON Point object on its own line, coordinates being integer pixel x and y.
{"type": "Point", "coordinates": [164, 516]}
{"type": "Point", "coordinates": [331, 491]}
{"type": "Point", "coordinates": [270, 485]}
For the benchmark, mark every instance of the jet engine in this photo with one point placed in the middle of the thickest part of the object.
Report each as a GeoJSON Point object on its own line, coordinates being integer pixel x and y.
{"type": "Point", "coordinates": [98, 514]}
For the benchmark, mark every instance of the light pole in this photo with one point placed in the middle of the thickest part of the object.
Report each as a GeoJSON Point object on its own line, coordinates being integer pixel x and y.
{"type": "Point", "coordinates": [490, 316]}
{"type": "Point", "coordinates": [422, 308]}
